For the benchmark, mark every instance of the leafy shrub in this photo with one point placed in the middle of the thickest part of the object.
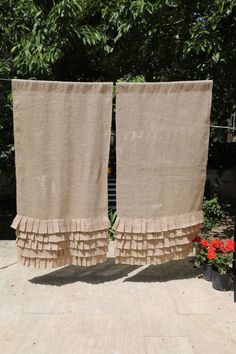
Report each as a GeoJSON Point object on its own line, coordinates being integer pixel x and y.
{"type": "Point", "coordinates": [200, 244]}
{"type": "Point", "coordinates": [213, 213]}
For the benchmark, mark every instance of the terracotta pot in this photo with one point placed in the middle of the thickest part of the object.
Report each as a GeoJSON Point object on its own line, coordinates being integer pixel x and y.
{"type": "Point", "coordinates": [221, 282]}
{"type": "Point", "coordinates": [207, 271]}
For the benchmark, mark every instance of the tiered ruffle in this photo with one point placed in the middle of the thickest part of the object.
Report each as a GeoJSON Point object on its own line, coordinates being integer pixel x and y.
{"type": "Point", "coordinates": [149, 241]}
{"type": "Point", "coordinates": [54, 243]}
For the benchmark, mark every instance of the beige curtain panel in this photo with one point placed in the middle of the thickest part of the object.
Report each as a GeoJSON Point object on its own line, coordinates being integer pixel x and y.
{"type": "Point", "coordinates": [62, 136]}
{"type": "Point", "coordinates": [162, 147]}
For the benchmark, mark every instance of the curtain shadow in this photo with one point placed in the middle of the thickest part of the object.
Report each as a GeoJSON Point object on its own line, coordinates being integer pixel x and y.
{"type": "Point", "coordinates": [101, 273]}
{"type": "Point", "coordinates": [109, 271]}
{"type": "Point", "coordinates": [173, 270]}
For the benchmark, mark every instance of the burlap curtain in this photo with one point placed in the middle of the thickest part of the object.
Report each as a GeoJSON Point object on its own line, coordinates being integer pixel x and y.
{"type": "Point", "coordinates": [62, 136]}
{"type": "Point", "coordinates": [162, 146]}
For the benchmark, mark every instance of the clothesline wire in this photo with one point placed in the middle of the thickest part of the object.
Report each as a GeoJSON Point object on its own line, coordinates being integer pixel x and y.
{"type": "Point", "coordinates": [222, 127]}
{"type": "Point", "coordinates": [212, 126]}
{"type": "Point", "coordinates": [215, 81]}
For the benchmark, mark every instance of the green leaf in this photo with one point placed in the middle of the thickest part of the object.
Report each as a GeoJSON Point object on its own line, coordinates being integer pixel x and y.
{"type": "Point", "coordinates": [216, 57]}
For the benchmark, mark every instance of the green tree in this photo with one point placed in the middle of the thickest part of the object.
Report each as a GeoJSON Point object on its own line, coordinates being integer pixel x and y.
{"type": "Point", "coordinates": [93, 40]}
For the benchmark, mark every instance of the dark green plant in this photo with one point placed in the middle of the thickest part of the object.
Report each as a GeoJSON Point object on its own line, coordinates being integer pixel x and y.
{"type": "Point", "coordinates": [213, 213]}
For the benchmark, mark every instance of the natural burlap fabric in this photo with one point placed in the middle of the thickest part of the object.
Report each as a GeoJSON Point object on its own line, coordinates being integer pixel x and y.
{"type": "Point", "coordinates": [162, 146]}
{"type": "Point", "coordinates": [62, 136]}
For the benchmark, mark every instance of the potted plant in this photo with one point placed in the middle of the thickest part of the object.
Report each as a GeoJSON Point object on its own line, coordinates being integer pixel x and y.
{"type": "Point", "coordinates": [201, 260]}
{"type": "Point", "coordinates": [220, 256]}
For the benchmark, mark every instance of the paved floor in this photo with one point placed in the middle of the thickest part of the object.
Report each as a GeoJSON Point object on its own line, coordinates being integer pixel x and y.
{"type": "Point", "coordinates": [112, 309]}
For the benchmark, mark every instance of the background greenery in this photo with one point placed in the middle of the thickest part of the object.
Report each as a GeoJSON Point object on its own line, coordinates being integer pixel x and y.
{"type": "Point", "coordinates": [213, 214]}
{"type": "Point", "coordinates": [94, 40]}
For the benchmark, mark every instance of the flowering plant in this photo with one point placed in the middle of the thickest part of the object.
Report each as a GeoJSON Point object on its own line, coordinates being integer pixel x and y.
{"type": "Point", "coordinates": [201, 246]}
{"type": "Point", "coordinates": [218, 253]}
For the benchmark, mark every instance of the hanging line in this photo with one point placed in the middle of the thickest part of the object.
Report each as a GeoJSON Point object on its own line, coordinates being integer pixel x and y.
{"type": "Point", "coordinates": [7, 80]}
{"type": "Point", "coordinates": [212, 126]}
{"type": "Point", "coordinates": [214, 81]}
{"type": "Point", "coordinates": [222, 127]}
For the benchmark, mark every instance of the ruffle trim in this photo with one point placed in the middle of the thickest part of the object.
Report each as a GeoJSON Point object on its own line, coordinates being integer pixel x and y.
{"type": "Point", "coordinates": [175, 254]}
{"type": "Point", "coordinates": [143, 226]}
{"type": "Point", "coordinates": [50, 251]}
{"type": "Point", "coordinates": [155, 248]}
{"type": "Point", "coordinates": [54, 226]}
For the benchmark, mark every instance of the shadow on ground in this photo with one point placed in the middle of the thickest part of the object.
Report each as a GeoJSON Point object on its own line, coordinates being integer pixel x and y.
{"type": "Point", "coordinates": [101, 273]}
{"type": "Point", "coordinates": [109, 271]}
{"type": "Point", "coordinates": [173, 270]}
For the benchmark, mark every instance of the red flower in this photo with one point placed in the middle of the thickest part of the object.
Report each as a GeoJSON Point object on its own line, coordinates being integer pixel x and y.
{"type": "Point", "coordinates": [204, 243]}
{"type": "Point", "coordinates": [216, 243]}
{"type": "Point", "coordinates": [211, 254]}
{"type": "Point", "coordinates": [197, 239]}
{"type": "Point", "coordinates": [229, 246]}
{"type": "Point", "coordinates": [222, 249]}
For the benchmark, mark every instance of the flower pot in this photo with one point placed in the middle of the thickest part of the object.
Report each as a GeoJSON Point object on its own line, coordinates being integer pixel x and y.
{"type": "Point", "coordinates": [221, 282]}
{"type": "Point", "coordinates": [207, 271]}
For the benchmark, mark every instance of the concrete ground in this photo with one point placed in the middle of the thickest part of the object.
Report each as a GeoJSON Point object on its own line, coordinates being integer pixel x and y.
{"type": "Point", "coordinates": [112, 309]}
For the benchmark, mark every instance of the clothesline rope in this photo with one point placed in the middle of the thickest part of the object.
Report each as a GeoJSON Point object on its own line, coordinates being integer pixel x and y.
{"type": "Point", "coordinates": [215, 81]}
{"type": "Point", "coordinates": [212, 126]}
{"type": "Point", "coordinates": [223, 127]}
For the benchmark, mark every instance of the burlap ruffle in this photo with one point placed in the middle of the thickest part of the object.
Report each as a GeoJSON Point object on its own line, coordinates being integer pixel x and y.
{"type": "Point", "coordinates": [164, 223]}
{"type": "Point", "coordinates": [53, 226]}
{"type": "Point", "coordinates": [140, 242]}
{"type": "Point", "coordinates": [54, 243]}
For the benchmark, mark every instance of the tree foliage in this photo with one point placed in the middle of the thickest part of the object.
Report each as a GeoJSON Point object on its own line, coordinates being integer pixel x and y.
{"type": "Point", "coordinates": [159, 39]}
{"type": "Point", "coordinates": [99, 40]}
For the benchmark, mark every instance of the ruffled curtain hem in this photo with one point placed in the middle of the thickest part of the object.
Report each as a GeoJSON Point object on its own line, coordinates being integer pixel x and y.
{"type": "Point", "coordinates": [55, 243]}
{"type": "Point", "coordinates": [148, 241]}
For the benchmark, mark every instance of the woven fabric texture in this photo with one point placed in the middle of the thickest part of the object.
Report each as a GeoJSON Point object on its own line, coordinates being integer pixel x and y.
{"type": "Point", "coordinates": [162, 147]}
{"type": "Point", "coordinates": [62, 136]}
